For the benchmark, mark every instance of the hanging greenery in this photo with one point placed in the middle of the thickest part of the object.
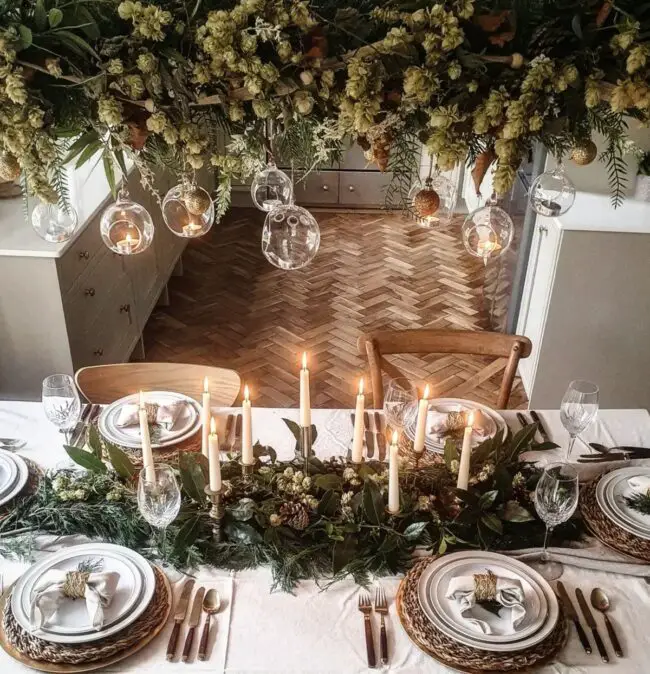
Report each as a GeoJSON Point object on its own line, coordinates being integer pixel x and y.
{"type": "Point", "coordinates": [162, 82]}
{"type": "Point", "coordinates": [326, 523]}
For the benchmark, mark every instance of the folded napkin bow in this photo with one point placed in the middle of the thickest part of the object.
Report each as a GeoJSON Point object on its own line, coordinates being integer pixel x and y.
{"type": "Point", "coordinates": [467, 591]}
{"type": "Point", "coordinates": [640, 483]}
{"type": "Point", "coordinates": [443, 424]}
{"type": "Point", "coordinates": [97, 589]}
{"type": "Point", "coordinates": [163, 415]}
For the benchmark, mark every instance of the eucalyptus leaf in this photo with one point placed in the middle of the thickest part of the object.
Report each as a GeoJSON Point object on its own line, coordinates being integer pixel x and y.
{"type": "Point", "coordinates": [414, 531]}
{"type": "Point", "coordinates": [327, 482]}
{"type": "Point", "coordinates": [54, 17]}
{"type": "Point", "coordinates": [513, 511]}
{"type": "Point", "coordinates": [121, 463]}
{"type": "Point", "coordinates": [85, 459]}
{"type": "Point", "coordinates": [95, 441]}
{"type": "Point", "coordinates": [343, 553]}
{"type": "Point", "coordinates": [242, 532]}
{"type": "Point", "coordinates": [491, 521]}
{"type": "Point", "coordinates": [373, 503]}
{"type": "Point", "coordinates": [487, 500]}
{"type": "Point", "coordinates": [243, 510]}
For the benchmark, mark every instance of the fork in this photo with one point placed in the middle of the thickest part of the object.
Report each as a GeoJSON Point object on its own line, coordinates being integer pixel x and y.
{"type": "Point", "coordinates": [366, 608]}
{"type": "Point", "coordinates": [381, 607]}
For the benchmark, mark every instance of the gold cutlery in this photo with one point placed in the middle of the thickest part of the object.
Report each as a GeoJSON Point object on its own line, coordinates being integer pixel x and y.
{"type": "Point", "coordinates": [366, 608]}
{"type": "Point", "coordinates": [573, 614]}
{"type": "Point", "coordinates": [381, 607]}
{"type": "Point", "coordinates": [369, 435]}
{"type": "Point", "coordinates": [179, 616]}
{"type": "Point", "coordinates": [211, 605]}
{"type": "Point", "coordinates": [381, 436]}
{"type": "Point", "coordinates": [589, 618]}
{"type": "Point", "coordinates": [600, 602]}
{"type": "Point", "coordinates": [195, 618]}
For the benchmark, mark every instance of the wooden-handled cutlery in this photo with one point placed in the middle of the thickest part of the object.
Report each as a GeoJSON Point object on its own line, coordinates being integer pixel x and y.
{"type": "Point", "coordinates": [195, 618]}
{"type": "Point", "coordinates": [179, 616]}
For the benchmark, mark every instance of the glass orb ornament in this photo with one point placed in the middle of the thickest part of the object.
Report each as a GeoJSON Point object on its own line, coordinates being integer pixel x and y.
{"type": "Point", "coordinates": [446, 192]}
{"type": "Point", "coordinates": [487, 232]}
{"type": "Point", "coordinates": [271, 187]}
{"type": "Point", "coordinates": [552, 193]}
{"type": "Point", "coordinates": [291, 237]}
{"type": "Point", "coordinates": [188, 211]}
{"type": "Point", "coordinates": [126, 226]}
{"type": "Point", "coordinates": [54, 224]}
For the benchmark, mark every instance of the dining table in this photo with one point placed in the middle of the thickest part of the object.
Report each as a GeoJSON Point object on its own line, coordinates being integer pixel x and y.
{"type": "Point", "coordinates": [318, 628]}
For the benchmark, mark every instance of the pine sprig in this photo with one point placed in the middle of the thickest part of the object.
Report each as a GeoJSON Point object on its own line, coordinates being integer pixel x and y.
{"type": "Point", "coordinates": [639, 501]}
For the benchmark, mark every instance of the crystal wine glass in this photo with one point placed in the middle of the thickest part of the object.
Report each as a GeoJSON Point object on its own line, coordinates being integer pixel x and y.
{"type": "Point", "coordinates": [400, 403]}
{"type": "Point", "coordinates": [556, 498]}
{"type": "Point", "coordinates": [61, 402]}
{"type": "Point", "coordinates": [578, 409]}
{"type": "Point", "coordinates": [159, 499]}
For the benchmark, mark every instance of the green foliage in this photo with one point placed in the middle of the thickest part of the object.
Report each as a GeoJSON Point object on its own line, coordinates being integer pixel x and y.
{"type": "Point", "coordinates": [644, 165]}
{"type": "Point", "coordinates": [640, 502]}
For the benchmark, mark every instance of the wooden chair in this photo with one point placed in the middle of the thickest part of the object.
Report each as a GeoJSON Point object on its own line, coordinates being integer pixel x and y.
{"type": "Point", "coordinates": [102, 384]}
{"type": "Point", "coordinates": [376, 345]}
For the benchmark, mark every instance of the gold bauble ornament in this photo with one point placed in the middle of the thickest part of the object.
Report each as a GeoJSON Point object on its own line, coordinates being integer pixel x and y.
{"type": "Point", "coordinates": [584, 152]}
{"type": "Point", "coordinates": [427, 201]}
{"type": "Point", "coordinates": [9, 167]}
{"type": "Point", "coordinates": [197, 201]}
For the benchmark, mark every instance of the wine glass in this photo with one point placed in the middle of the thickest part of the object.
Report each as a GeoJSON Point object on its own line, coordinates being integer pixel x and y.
{"type": "Point", "coordinates": [61, 402]}
{"type": "Point", "coordinates": [400, 403]}
{"type": "Point", "coordinates": [159, 499]}
{"type": "Point", "coordinates": [578, 409]}
{"type": "Point", "coordinates": [556, 498]}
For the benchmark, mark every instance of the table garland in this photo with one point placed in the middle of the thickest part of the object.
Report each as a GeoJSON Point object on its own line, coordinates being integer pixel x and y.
{"type": "Point", "coordinates": [321, 520]}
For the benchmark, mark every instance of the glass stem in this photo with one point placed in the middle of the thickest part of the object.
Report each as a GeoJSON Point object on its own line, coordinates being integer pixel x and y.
{"type": "Point", "coordinates": [572, 441]}
{"type": "Point", "coordinates": [546, 556]}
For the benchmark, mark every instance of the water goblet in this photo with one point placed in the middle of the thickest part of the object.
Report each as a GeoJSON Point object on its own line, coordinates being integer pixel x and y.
{"type": "Point", "coordinates": [61, 403]}
{"type": "Point", "coordinates": [400, 403]}
{"type": "Point", "coordinates": [578, 409]}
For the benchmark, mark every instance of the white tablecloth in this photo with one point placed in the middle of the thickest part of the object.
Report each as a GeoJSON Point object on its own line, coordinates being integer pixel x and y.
{"type": "Point", "coordinates": [321, 632]}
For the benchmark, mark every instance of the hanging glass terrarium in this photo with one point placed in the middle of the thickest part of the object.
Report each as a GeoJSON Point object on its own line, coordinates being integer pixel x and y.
{"type": "Point", "coordinates": [126, 226]}
{"type": "Point", "coordinates": [291, 237]}
{"type": "Point", "coordinates": [487, 232]}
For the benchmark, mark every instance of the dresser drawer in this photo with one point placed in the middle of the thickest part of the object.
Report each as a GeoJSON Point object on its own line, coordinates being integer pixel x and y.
{"type": "Point", "coordinates": [80, 255]}
{"type": "Point", "coordinates": [364, 188]}
{"type": "Point", "coordinates": [318, 188]}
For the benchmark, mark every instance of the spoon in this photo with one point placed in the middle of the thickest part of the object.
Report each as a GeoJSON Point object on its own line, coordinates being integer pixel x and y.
{"type": "Point", "coordinates": [12, 444]}
{"type": "Point", "coordinates": [211, 604]}
{"type": "Point", "coordinates": [600, 602]}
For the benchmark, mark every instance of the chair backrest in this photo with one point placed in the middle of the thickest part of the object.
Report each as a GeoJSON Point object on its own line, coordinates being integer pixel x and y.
{"type": "Point", "coordinates": [102, 384]}
{"type": "Point", "coordinates": [508, 349]}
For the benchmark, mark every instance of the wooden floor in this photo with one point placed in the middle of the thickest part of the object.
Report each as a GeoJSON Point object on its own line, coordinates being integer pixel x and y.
{"type": "Point", "coordinates": [232, 308]}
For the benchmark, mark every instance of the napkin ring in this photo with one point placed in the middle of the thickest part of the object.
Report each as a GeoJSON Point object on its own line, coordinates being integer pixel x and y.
{"type": "Point", "coordinates": [485, 587]}
{"type": "Point", "coordinates": [152, 412]}
{"type": "Point", "coordinates": [74, 585]}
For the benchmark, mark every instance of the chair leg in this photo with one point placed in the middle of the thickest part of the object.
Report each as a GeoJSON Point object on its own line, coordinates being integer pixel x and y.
{"type": "Point", "coordinates": [508, 377]}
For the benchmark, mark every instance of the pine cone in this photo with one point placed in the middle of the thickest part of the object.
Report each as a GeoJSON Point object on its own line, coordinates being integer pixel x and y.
{"type": "Point", "coordinates": [381, 150]}
{"type": "Point", "coordinates": [294, 515]}
{"type": "Point", "coordinates": [9, 167]}
{"type": "Point", "coordinates": [426, 202]}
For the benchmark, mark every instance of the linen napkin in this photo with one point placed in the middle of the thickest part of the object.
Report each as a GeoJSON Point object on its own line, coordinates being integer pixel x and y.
{"type": "Point", "coordinates": [163, 415]}
{"type": "Point", "coordinates": [640, 483]}
{"type": "Point", "coordinates": [509, 594]}
{"type": "Point", "coordinates": [442, 424]}
{"type": "Point", "coordinates": [98, 592]}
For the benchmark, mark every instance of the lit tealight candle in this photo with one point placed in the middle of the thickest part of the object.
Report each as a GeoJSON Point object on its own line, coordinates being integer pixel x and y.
{"type": "Point", "coordinates": [126, 245]}
{"type": "Point", "coordinates": [205, 413]}
{"type": "Point", "coordinates": [357, 441]}
{"type": "Point", "coordinates": [393, 476]}
{"type": "Point", "coordinates": [465, 454]}
{"type": "Point", "coordinates": [147, 454]}
{"type": "Point", "coordinates": [421, 426]}
{"type": "Point", "coordinates": [215, 457]}
{"type": "Point", "coordinates": [247, 430]}
{"type": "Point", "coordinates": [305, 402]}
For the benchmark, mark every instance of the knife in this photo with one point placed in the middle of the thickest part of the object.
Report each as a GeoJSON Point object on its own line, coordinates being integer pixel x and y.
{"type": "Point", "coordinates": [369, 435]}
{"type": "Point", "coordinates": [179, 616]}
{"type": "Point", "coordinates": [522, 419]}
{"type": "Point", "coordinates": [542, 429]}
{"type": "Point", "coordinates": [381, 436]}
{"type": "Point", "coordinates": [573, 615]}
{"type": "Point", "coordinates": [586, 612]}
{"type": "Point", "coordinates": [195, 617]}
{"type": "Point", "coordinates": [81, 425]}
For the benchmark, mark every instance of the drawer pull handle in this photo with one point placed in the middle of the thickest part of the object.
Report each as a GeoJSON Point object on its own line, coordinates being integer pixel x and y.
{"type": "Point", "coordinates": [89, 292]}
{"type": "Point", "coordinates": [351, 188]}
{"type": "Point", "coordinates": [84, 255]}
{"type": "Point", "coordinates": [326, 188]}
{"type": "Point", "coordinates": [98, 352]}
{"type": "Point", "coordinates": [125, 308]}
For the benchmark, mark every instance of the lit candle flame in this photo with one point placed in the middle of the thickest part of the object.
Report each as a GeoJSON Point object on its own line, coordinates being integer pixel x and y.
{"type": "Point", "coordinates": [206, 385]}
{"type": "Point", "coordinates": [395, 437]}
{"type": "Point", "coordinates": [142, 405]}
{"type": "Point", "coordinates": [470, 420]}
{"type": "Point", "coordinates": [246, 393]}
{"type": "Point", "coordinates": [425, 395]}
{"type": "Point", "coordinates": [361, 386]}
{"type": "Point", "coordinates": [129, 239]}
{"type": "Point", "coordinates": [213, 426]}
{"type": "Point", "coordinates": [304, 360]}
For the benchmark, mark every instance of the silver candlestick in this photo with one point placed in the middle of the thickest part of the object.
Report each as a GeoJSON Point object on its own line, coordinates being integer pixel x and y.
{"type": "Point", "coordinates": [217, 512]}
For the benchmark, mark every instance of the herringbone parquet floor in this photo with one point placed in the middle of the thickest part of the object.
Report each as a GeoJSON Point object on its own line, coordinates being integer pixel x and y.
{"type": "Point", "coordinates": [373, 270]}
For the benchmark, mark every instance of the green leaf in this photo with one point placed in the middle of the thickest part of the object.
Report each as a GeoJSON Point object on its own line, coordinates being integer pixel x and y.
{"type": "Point", "coordinates": [119, 157]}
{"type": "Point", "coordinates": [491, 521]}
{"type": "Point", "coordinates": [187, 534]}
{"type": "Point", "coordinates": [95, 441]}
{"type": "Point", "coordinates": [76, 43]}
{"type": "Point", "coordinates": [391, 542]}
{"type": "Point", "coordinates": [293, 427]}
{"type": "Point", "coordinates": [260, 450]}
{"type": "Point", "coordinates": [329, 503]}
{"type": "Point", "coordinates": [521, 441]}
{"type": "Point", "coordinates": [25, 36]}
{"type": "Point", "coordinates": [365, 470]}
{"type": "Point", "coordinates": [109, 171]}
{"type": "Point", "coordinates": [242, 532]}
{"type": "Point", "coordinates": [576, 26]}
{"type": "Point", "coordinates": [514, 512]}
{"type": "Point", "coordinates": [355, 503]}
{"type": "Point", "coordinates": [40, 15]}
{"type": "Point", "coordinates": [54, 17]}
{"type": "Point", "coordinates": [85, 459]}
{"type": "Point", "coordinates": [414, 531]}
{"type": "Point", "coordinates": [88, 23]}
{"type": "Point", "coordinates": [486, 500]}
{"type": "Point", "coordinates": [89, 151]}
{"type": "Point", "coordinates": [193, 476]}
{"type": "Point", "coordinates": [343, 553]}
{"type": "Point", "coordinates": [442, 546]}
{"type": "Point", "coordinates": [84, 140]}
{"type": "Point", "coordinates": [373, 503]}
{"type": "Point", "coordinates": [121, 463]}
{"type": "Point", "coordinates": [243, 510]}
{"type": "Point", "coordinates": [328, 481]}
{"type": "Point", "coordinates": [544, 446]}
{"type": "Point", "coordinates": [450, 452]}
{"type": "Point", "coordinates": [467, 497]}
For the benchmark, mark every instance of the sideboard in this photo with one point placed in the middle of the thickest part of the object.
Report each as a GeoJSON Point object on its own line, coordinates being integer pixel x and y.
{"type": "Point", "coordinates": [65, 306]}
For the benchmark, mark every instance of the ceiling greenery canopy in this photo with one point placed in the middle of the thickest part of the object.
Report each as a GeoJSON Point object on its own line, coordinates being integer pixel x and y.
{"type": "Point", "coordinates": [164, 82]}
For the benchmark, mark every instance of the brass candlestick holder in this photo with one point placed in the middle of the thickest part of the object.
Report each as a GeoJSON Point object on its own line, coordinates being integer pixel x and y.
{"type": "Point", "coordinates": [217, 512]}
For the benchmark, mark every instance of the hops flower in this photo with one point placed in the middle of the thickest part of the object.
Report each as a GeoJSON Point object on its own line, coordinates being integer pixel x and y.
{"type": "Point", "coordinates": [147, 62]}
{"type": "Point", "coordinates": [109, 110]}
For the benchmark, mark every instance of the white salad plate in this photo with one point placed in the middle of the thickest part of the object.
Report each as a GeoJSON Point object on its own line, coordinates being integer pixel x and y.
{"type": "Point", "coordinates": [72, 624]}
{"type": "Point", "coordinates": [611, 493]}
{"type": "Point", "coordinates": [8, 472]}
{"type": "Point", "coordinates": [19, 482]}
{"type": "Point", "coordinates": [186, 425]}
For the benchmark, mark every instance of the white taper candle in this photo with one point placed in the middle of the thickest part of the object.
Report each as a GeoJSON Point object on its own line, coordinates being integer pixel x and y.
{"type": "Point", "coordinates": [215, 457]}
{"type": "Point", "coordinates": [305, 401]}
{"type": "Point", "coordinates": [205, 417]}
{"type": "Point", "coordinates": [421, 426]}
{"type": "Point", "coordinates": [465, 454]}
{"type": "Point", "coordinates": [247, 430]}
{"type": "Point", "coordinates": [357, 438]}
{"type": "Point", "coordinates": [393, 476]}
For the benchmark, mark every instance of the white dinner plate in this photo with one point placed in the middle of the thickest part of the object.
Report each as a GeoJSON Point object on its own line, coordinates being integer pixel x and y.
{"type": "Point", "coordinates": [534, 602]}
{"type": "Point", "coordinates": [187, 424]}
{"type": "Point", "coordinates": [610, 497]}
{"type": "Point", "coordinates": [20, 481]}
{"type": "Point", "coordinates": [8, 472]}
{"type": "Point", "coordinates": [454, 405]}
{"type": "Point", "coordinates": [481, 641]}
{"type": "Point", "coordinates": [118, 615]}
